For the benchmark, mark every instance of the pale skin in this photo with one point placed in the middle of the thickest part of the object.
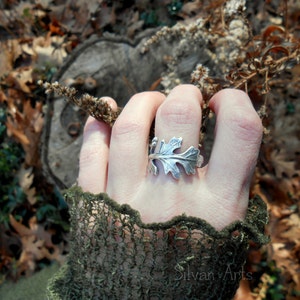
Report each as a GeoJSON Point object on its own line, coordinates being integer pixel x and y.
{"type": "Point", "coordinates": [115, 160]}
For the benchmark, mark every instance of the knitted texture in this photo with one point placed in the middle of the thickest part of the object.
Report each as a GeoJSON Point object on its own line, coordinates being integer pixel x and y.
{"type": "Point", "coordinates": [116, 256]}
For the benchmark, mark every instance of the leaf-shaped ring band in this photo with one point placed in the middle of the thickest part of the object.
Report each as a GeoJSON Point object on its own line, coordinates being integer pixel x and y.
{"type": "Point", "coordinates": [189, 160]}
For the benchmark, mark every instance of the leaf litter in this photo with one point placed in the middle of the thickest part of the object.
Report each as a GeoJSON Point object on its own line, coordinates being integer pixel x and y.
{"type": "Point", "coordinates": [39, 35]}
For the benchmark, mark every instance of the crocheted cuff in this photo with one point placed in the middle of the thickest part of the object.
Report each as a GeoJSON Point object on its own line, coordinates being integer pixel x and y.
{"type": "Point", "coordinates": [114, 255]}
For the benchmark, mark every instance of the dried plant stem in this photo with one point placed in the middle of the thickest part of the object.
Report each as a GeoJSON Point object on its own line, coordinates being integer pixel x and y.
{"type": "Point", "coordinates": [270, 69]}
{"type": "Point", "coordinates": [95, 107]}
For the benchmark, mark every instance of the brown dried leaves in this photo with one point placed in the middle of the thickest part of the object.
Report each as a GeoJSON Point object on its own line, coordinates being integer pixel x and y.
{"type": "Point", "coordinates": [36, 245]}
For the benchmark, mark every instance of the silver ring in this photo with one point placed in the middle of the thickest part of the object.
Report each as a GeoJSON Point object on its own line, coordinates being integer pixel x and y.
{"type": "Point", "coordinates": [189, 160]}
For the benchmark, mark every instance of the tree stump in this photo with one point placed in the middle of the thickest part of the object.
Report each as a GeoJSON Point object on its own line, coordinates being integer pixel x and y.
{"type": "Point", "coordinates": [109, 66]}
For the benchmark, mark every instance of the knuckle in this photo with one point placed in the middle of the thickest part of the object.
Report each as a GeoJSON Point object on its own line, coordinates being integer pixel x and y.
{"type": "Point", "coordinates": [247, 125]}
{"type": "Point", "coordinates": [127, 128]}
{"type": "Point", "coordinates": [88, 153]}
{"type": "Point", "coordinates": [179, 113]}
{"type": "Point", "coordinates": [138, 96]}
{"type": "Point", "coordinates": [145, 96]}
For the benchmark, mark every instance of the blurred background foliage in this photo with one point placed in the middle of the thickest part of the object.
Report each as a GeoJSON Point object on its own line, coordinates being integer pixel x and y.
{"type": "Point", "coordinates": [37, 36]}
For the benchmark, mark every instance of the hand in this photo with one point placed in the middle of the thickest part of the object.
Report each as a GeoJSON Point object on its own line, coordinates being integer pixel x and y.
{"type": "Point", "coordinates": [115, 160]}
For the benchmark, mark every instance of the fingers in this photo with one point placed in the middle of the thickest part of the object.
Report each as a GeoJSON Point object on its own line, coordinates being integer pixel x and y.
{"type": "Point", "coordinates": [94, 154]}
{"type": "Point", "coordinates": [129, 145]}
{"type": "Point", "coordinates": [180, 116]}
{"type": "Point", "coordinates": [237, 142]}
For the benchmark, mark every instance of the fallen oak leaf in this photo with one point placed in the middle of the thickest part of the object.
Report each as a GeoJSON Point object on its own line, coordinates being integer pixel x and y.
{"type": "Point", "coordinates": [55, 28]}
{"type": "Point", "coordinates": [30, 254]}
{"type": "Point", "coordinates": [282, 166]}
{"type": "Point", "coordinates": [21, 229]}
{"type": "Point", "coordinates": [34, 250]}
{"type": "Point", "coordinates": [244, 291]}
{"type": "Point", "coordinates": [27, 127]}
{"type": "Point", "coordinates": [260, 292]}
{"type": "Point", "coordinates": [286, 263]}
{"type": "Point", "coordinates": [293, 233]}
{"type": "Point", "coordinates": [25, 180]}
{"type": "Point", "coordinates": [34, 229]}
{"type": "Point", "coordinates": [19, 79]}
{"type": "Point", "coordinates": [270, 30]}
{"type": "Point", "coordinates": [6, 59]}
{"type": "Point", "coordinates": [282, 256]}
{"type": "Point", "coordinates": [190, 9]}
{"type": "Point", "coordinates": [36, 245]}
{"type": "Point", "coordinates": [50, 50]}
{"type": "Point", "coordinates": [281, 190]}
{"type": "Point", "coordinates": [10, 51]}
{"type": "Point", "coordinates": [17, 133]}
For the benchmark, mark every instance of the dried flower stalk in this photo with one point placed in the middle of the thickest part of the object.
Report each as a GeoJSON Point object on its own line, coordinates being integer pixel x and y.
{"type": "Point", "coordinates": [95, 107]}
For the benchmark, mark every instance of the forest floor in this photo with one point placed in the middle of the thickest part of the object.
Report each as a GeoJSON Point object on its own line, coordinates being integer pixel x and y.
{"type": "Point", "coordinates": [36, 37]}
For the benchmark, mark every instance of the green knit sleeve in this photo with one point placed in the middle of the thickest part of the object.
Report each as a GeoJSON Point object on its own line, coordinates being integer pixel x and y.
{"type": "Point", "coordinates": [114, 255]}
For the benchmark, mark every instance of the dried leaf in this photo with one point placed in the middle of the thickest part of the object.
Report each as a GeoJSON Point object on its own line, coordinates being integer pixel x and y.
{"type": "Point", "coordinates": [272, 53]}
{"type": "Point", "coordinates": [50, 50]}
{"type": "Point", "coordinates": [6, 59]}
{"type": "Point", "coordinates": [261, 290]}
{"type": "Point", "coordinates": [34, 250]}
{"type": "Point", "coordinates": [36, 245]}
{"type": "Point", "coordinates": [191, 8]}
{"type": "Point", "coordinates": [281, 165]}
{"type": "Point", "coordinates": [55, 28]}
{"type": "Point", "coordinates": [27, 127]}
{"type": "Point", "coordinates": [19, 227]}
{"type": "Point", "coordinates": [19, 79]}
{"type": "Point", "coordinates": [243, 292]}
{"type": "Point", "coordinates": [25, 181]}
{"type": "Point", "coordinates": [106, 16]}
{"type": "Point", "coordinates": [17, 133]}
{"type": "Point", "coordinates": [271, 29]}
{"type": "Point", "coordinates": [134, 27]}
{"type": "Point", "coordinates": [293, 223]}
